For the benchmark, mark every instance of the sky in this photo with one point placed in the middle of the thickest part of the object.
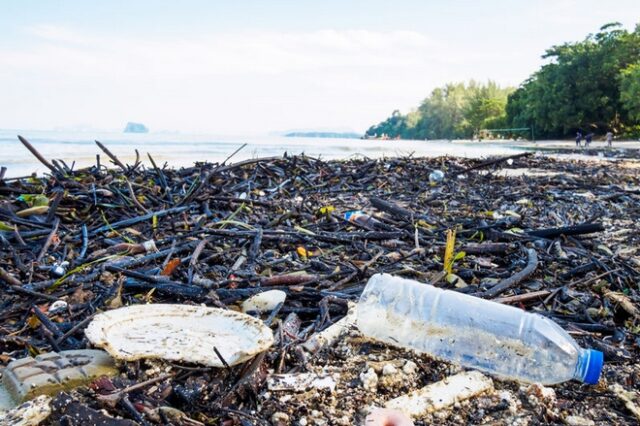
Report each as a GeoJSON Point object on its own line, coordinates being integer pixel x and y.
{"type": "Point", "coordinates": [254, 67]}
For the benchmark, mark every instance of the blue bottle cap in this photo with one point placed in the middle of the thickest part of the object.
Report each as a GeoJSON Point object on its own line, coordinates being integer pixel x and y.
{"type": "Point", "coordinates": [594, 367]}
{"type": "Point", "coordinates": [347, 215]}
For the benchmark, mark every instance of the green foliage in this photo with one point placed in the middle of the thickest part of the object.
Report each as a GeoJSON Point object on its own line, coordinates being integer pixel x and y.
{"type": "Point", "coordinates": [34, 200]}
{"type": "Point", "coordinates": [456, 110]}
{"type": "Point", "coordinates": [486, 106]}
{"type": "Point", "coordinates": [590, 85]}
{"type": "Point", "coordinates": [394, 126]}
{"type": "Point", "coordinates": [630, 91]}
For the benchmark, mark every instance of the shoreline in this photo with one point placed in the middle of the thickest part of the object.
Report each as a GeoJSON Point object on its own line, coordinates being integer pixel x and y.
{"type": "Point", "coordinates": [83, 153]}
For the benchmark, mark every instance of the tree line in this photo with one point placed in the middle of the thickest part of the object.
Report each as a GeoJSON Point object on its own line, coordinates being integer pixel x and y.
{"type": "Point", "coordinates": [592, 85]}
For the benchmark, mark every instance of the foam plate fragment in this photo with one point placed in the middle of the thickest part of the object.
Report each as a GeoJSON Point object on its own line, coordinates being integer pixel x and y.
{"type": "Point", "coordinates": [179, 333]}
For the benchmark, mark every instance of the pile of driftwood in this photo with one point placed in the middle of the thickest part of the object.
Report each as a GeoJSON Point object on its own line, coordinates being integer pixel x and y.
{"type": "Point", "coordinates": [557, 237]}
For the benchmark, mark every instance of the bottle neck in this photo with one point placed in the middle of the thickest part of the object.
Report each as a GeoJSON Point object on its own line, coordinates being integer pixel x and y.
{"type": "Point", "coordinates": [582, 365]}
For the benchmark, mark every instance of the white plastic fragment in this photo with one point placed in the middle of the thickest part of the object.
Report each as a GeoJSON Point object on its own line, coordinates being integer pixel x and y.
{"type": "Point", "coordinates": [264, 302]}
{"type": "Point", "coordinates": [30, 413]}
{"type": "Point", "coordinates": [331, 334]}
{"type": "Point", "coordinates": [57, 307]}
{"type": "Point", "coordinates": [442, 394]}
{"type": "Point", "coordinates": [179, 333]}
{"type": "Point", "coordinates": [300, 382]}
{"type": "Point", "coordinates": [149, 246]}
{"type": "Point", "coordinates": [59, 269]}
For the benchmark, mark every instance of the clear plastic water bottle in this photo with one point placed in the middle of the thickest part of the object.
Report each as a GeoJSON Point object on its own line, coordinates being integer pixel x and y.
{"type": "Point", "coordinates": [498, 339]}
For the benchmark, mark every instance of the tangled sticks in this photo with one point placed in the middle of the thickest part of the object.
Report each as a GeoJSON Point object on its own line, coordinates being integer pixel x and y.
{"type": "Point", "coordinates": [217, 234]}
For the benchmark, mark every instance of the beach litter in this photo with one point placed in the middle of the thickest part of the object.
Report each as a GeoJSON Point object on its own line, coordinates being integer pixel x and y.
{"type": "Point", "coordinates": [266, 301]}
{"type": "Point", "coordinates": [442, 394]}
{"type": "Point", "coordinates": [331, 334]}
{"type": "Point", "coordinates": [225, 232]}
{"type": "Point", "coordinates": [50, 373]}
{"type": "Point", "coordinates": [482, 334]}
{"type": "Point", "coordinates": [300, 382]}
{"type": "Point", "coordinates": [196, 334]}
{"type": "Point", "coordinates": [436, 177]}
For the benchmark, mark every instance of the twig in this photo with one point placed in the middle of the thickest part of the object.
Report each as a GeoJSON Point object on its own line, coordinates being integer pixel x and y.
{"type": "Point", "coordinates": [10, 279]}
{"type": "Point", "coordinates": [49, 240]}
{"type": "Point", "coordinates": [483, 248]}
{"type": "Point", "coordinates": [54, 206]}
{"type": "Point", "coordinates": [132, 221]}
{"type": "Point", "coordinates": [85, 242]}
{"type": "Point", "coordinates": [162, 178]}
{"type": "Point", "coordinates": [113, 398]}
{"type": "Point", "coordinates": [46, 322]}
{"type": "Point", "coordinates": [287, 280]}
{"type": "Point", "coordinates": [134, 198]}
{"type": "Point", "coordinates": [74, 329]}
{"type": "Point", "coordinates": [504, 285]}
{"type": "Point", "coordinates": [519, 298]}
{"type": "Point", "coordinates": [254, 249]}
{"type": "Point", "coordinates": [585, 228]}
{"type": "Point", "coordinates": [221, 358]}
{"type": "Point", "coordinates": [234, 153]}
{"type": "Point", "coordinates": [587, 281]}
{"type": "Point", "coordinates": [113, 157]}
{"type": "Point", "coordinates": [39, 156]}
{"type": "Point", "coordinates": [492, 162]}
{"type": "Point", "coordinates": [391, 208]}
{"type": "Point", "coordinates": [33, 293]}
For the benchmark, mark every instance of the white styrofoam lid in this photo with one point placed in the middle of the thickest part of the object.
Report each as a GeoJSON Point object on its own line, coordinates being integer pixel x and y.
{"type": "Point", "coordinates": [179, 333]}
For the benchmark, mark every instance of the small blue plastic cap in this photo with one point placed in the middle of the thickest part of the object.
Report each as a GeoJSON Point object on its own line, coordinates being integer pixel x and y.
{"type": "Point", "coordinates": [594, 367]}
{"type": "Point", "coordinates": [347, 215]}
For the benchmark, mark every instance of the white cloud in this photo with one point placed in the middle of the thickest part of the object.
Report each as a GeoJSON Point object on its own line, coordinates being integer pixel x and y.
{"type": "Point", "coordinates": [232, 82]}
{"type": "Point", "coordinates": [53, 33]}
{"type": "Point", "coordinates": [67, 52]}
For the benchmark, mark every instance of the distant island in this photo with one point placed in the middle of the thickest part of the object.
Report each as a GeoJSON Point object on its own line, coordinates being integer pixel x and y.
{"type": "Point", "coordinates": [341, 135]}
{"type": "Point", "coordinates": [135, 128]}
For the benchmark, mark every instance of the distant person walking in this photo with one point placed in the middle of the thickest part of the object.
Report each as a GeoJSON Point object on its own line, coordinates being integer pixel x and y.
{"type": "Point", "coordinates": [587, 139]}
{"type": "Point", "coordinates": [578, 138]}
{"type": "Point", "coordinates": [609, 138]}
